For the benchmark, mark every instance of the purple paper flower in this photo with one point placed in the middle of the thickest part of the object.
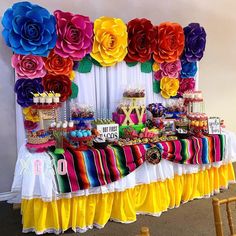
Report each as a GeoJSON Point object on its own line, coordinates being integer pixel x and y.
{"type": "Point", "coordinates": [195, 42]}
{"type": "Point", "coordinates": [189, 69]}
{"type": "Point", "coordinates": [168, 69]}
{"type": "Point", "coordinates": [24, 89]}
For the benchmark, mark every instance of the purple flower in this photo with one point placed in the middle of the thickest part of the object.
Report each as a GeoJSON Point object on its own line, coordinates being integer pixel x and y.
{"type": "Point", "coordinates": [24, 88]}
{"type": "Point", "coordinates": [195, 42]}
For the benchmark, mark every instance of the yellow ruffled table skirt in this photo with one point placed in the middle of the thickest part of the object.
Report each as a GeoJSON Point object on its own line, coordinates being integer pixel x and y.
{"type": "Point", "coordinates": [81, 213]}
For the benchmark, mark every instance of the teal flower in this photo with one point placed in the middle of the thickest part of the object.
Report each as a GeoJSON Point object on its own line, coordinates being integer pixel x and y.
{"type": "Point", "coordinates": [29, 29]}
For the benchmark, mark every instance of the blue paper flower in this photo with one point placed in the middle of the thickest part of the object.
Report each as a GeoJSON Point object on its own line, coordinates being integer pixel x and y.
{"type": "Point", "coordinates": [189, 69]}
{"type": "Point", "coordinates": [24, 88]}
{"type": "Point", "coordinates": [29, 29]}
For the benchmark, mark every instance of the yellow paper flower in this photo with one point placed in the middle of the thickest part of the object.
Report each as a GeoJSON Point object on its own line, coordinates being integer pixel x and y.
{"type": "Point", "coordinates": [155, 67]}
{"type": "Point", "coordinates": [72, 75]}
{"type": "Point", "coordinates": [169, 87]}
{"type": "Point", "coordinates": [110, 41]}
{"type": "Point", "coordinates": [30, 114]}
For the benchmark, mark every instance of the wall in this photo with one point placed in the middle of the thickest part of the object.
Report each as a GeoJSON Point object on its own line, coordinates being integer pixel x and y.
{"type": "Point", "coordinates": [217, 68]}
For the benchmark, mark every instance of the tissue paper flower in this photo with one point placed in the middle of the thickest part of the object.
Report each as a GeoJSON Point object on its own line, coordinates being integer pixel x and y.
{"type": "Point", "coordinates": [24, 88]}
{"type": "Point", "coordinates": [170, 42]}
{"type": "Point", "coordinates": [141, 40]}
{"type": "Point", "coordinates": [168, 69]}
{"type": "Point", "coordinates": [75, 35]}
{"type": "Point", "coordinates": [59, 84]}
{"type": "Point", "coordinates": [29, 29]}
{"type": "Point", "coordinates": [58, 65]}
{"type": "Point", "coordinates": [155, 66]}
{"type": "Point", "coordinates": [189, 69]}
{"type": "Point", "coordinates": [28, 66]}
{"type": "Point", "coordinates": [186, 85]}
{"type": "Point", "coordinates": [72, 75]}
{"type": "Point", "coordinates": [110, 41]}
{"type": "Point", "coordinates": [169, 87]}
{"type": "Point", "coordinates": [195, 42]}
{"type": "Point", "coordinates": [30, 114]}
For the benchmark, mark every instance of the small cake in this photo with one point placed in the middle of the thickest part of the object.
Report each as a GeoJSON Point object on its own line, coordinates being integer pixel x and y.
{"type": "Point", "coordinates": [36, 98]}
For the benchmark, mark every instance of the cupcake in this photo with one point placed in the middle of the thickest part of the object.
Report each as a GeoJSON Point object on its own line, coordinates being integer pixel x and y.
{"type": "Point", "coordinates": [49, 98]}
{"type": "Point", "coordinates": [42, 98]}
{"type": "Point", "coordinates": [36, 98]}
{"type": "Point", "coordinates": [56, 98]}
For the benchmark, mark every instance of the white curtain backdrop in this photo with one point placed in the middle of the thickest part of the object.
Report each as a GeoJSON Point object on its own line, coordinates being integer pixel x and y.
{"type": "Point", "coordinates": [103, 88]}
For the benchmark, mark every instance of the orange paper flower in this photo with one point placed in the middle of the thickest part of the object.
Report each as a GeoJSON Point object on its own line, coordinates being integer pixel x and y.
{"type": "Point", "coordinates": [170, 42]}
{"type": "Point", "coordinates": [57, 65]}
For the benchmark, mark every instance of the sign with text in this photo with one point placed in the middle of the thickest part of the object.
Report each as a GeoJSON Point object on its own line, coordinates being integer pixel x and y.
{"type": "Point", "coordinates": [109, 130]}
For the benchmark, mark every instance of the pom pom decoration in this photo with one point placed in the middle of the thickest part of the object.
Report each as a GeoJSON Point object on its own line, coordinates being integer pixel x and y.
{"type": "Point", "coordinates": [25, 88]}
{"type": "Point", "coordinates": [29, 29]}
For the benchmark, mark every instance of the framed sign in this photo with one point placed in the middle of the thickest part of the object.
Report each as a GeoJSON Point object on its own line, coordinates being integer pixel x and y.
{"type": "Point", "coordinates": [214, 125]}
{"type": "Point", "coordinates": [109, 130]}
{"type": "Point", "coordinates": [169, 126]}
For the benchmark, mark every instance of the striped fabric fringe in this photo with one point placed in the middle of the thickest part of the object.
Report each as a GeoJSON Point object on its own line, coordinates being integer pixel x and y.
{"type": "Point", "coordinates": [194, 150]}
{"type": "Point", "coordinates": [96, 167]}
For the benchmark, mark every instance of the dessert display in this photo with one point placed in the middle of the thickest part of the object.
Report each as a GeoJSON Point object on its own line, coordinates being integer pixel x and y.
{"type": "Point", "coordinates": [81, 111]}
{"type": "Point", "coordinates": [134, 93]}
{"type": "Point", "coordinates": [46, 98]}
{"type": "Point", "coordinates": [193, 100]}
{"type": "Point", "coordinates": [198, 123]}
{"type": "Point", "coordinates": [175, 108]}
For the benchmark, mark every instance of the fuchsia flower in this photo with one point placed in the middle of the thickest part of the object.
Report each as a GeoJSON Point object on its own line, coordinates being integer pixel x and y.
{"type": "Point", "coordinates": [168, 69]}
{"type": "Point", "coordinates": [75, 35]}
{"type": "Point", "coordinates": [28, 66]}
{"type": "Point", "coordinates": [186, 85]}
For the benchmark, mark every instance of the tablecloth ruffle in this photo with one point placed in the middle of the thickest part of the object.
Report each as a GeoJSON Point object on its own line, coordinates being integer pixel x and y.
{"type": "Point", "coordinates": [85, 212]}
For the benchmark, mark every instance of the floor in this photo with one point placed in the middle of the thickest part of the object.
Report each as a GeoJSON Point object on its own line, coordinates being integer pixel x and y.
{"type": "Point", "coordinates": [194, 218]}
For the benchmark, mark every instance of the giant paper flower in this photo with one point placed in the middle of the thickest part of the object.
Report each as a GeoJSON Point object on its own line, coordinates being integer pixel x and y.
{"type": "Point", "coordinates": [195, 42]}
{"type": "Point", "coordinates": [29, 125]}
{"type": "Point", "coordinates": [58, 84]}
{"type": "Point", "coordinates": [29, 29]}
{"type": "Point", "coordinates": [168, 69]}
{"type": "Point", "coordinates": [141, 40]}
{"type": "Point", "coordinates": [75, 35]}
{"type": "Point", "coordinates": [170, 42]}
{"type": "Point", "coordinates": [110, 41]}
{"type": "Point", "coordinates": [186, 85]}
{"type": "Point", "coordinates": [169, 87]}
{"type": "Point", "coordinates": [189, 69]}
{"type": "Point", "coordinates": [58, 65]}
{"type": "Point", "coordinates": [28, 66]}
{"type": "Point", "coordinates": [31, 114]}
{"type": "Point", "coordinates": [24, 88]}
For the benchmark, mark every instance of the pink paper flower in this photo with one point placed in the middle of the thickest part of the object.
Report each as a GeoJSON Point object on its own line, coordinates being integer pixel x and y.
{"type": "Point", "coordinates": [168, 69]}
{"type": "Point", "coordinates": [75, 35]}
{"type": "Point", "coordinates": [185, 85]}
{"type": "Point", "coordinates": [28, 66]}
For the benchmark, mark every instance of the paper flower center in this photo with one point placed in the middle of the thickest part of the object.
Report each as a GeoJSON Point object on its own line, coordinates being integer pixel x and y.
{"type": "Point", "coordinates": [28, 65]}
{"type": "Point", "coordinates": [31, 31]}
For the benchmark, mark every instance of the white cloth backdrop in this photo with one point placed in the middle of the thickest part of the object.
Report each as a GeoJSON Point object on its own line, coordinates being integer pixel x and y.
{"type": "Point", "coordinates": [103, 88]}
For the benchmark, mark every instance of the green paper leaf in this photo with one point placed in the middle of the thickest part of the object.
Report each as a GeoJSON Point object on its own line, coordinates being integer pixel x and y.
{"type": "Point", "coordinates": [85, 65]}
{"type": "Point", "coordinates": [131, 64]}
{"type": "Point", "coordinates": [146, 67]}
{"type": "Point", "coordinates": [156, 86]}
{"type": "Point", "coordinates": [75, 90]}
{"type": "Point", "coordinates": [95, 62]}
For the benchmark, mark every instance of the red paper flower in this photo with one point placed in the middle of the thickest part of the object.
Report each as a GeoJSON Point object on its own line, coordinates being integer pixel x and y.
{"type": "Point", "coordinates": [186, 85]}
{"type": "Point", "coordinates": [170, 42]}
{"type": "Point", "coordinates": [58, 65]}
{"type": "Point", "coordinates": [58, 84]}
{"type": "Point", "coordinates": [141, 40]}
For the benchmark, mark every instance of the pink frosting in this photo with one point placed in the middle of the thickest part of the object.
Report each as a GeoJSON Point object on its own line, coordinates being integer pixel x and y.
{"type": "Point", "coordinates": [168, 69]}
{"type": "Point", "coordinates": [28, 66]}
{"type": "Point", "coordinates": [75, 35]}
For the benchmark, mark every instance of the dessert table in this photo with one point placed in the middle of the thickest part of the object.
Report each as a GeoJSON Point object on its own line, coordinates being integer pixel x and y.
{"type": "Point", "coordinates": [117, 183]}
